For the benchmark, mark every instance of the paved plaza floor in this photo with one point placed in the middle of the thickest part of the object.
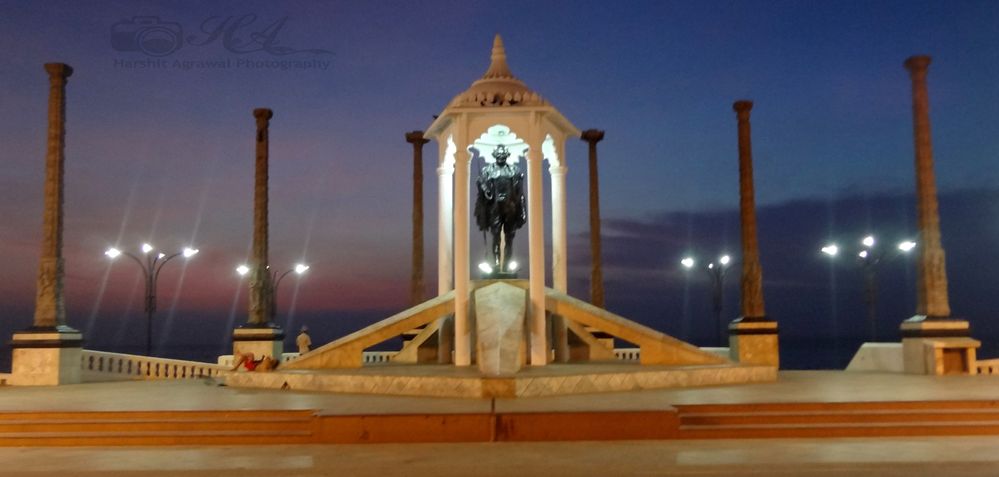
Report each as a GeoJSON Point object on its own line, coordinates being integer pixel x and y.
{"type": "Point", "coordinates": [905, 456]}
{"type": "Point", "coordinates": [909, 457]}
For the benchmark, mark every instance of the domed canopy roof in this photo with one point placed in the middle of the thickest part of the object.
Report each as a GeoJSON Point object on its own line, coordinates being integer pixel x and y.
{"type": "Point", "coordinates": [498, 86]}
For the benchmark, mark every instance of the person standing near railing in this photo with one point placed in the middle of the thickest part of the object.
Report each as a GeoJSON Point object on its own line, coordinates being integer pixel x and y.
{"type": "Point", "coordinates": [303, 340]}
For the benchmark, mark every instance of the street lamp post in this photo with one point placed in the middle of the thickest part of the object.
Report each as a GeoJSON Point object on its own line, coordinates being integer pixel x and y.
{"type": "Point", "coordinates": [716, 272]}
{"type": "Point", "coordinates": [869, 257]}
{"type": "Point", "coordinates": [151, 265]}
{"type": "Point", "coordinates": [275, 281]}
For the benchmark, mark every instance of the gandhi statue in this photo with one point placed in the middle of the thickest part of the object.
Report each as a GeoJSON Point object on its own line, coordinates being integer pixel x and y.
{"type": "Point", "coordinates": [499, 207]}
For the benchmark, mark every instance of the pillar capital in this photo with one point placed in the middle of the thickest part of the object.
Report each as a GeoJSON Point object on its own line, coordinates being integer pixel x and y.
{"type": "Point", "coordinates": [58, 71]}
{"type": "Point", "coordinates": [416, 138]}
{"type": "Point", "coordinates": [445, 169]}
{"type": "Point", "coordinates": [263, 114]}
{"type": "Point", "coordinates": [592, 136]}
{"type": "Point", "coordinates": [917, 64]}
{"type": "Point", "coordinates": [742, 107]}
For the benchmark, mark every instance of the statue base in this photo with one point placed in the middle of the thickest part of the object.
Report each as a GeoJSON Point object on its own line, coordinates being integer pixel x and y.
{"type": "Point", "coordinates": [937, 345]}
{"type": "Point", "coordinates": [498, 275]}
{"type": "Point", "coordinates": [753, 340]}
{"type": "Point", "coordinates": [46, 356]}
{"type": "Point", "coordinates": [261, 340]}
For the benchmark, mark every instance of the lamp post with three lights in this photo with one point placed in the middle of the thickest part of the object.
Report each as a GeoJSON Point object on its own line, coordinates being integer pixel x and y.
{"type": "Point", "coordinates": [869, 258]}
{"type": "Point", "coordinates": [275, 281]}
{"type": "Point", "coordinates": [151, 263]}
{"type": "Point", "coordinates": [716, 271]}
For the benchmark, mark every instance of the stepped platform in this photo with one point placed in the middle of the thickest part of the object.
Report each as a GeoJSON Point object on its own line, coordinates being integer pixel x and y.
{"type": "Point", "coordinates": [468, 382]}
{"type": "Point", "coordinates": [800, 404]}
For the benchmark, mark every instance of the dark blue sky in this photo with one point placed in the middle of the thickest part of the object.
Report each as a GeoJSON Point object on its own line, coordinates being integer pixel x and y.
{"type": "Point", "coordinates": [165, 154]}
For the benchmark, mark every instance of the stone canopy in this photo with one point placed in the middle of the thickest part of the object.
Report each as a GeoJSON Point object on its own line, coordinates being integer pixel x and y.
{"type": "Point", "coordinates": [498, 87]}
{"type": "Point", "coordinates": [499, 109]}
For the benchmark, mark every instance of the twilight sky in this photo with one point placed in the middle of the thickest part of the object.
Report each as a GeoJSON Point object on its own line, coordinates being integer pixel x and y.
{"type": "Point", "coordinates": [163, 151]}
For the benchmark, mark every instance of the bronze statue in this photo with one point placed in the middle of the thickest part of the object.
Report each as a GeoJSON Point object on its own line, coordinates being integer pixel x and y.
{"type": "Point", "coordinates": [500, 206]}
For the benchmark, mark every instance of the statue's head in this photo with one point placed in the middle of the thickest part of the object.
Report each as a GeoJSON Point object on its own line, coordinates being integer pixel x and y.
{"type": "Point", "coordinates": [501, 154]}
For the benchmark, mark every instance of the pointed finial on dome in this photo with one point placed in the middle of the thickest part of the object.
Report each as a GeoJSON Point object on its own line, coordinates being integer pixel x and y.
{"type": "Point", "coordinates": [498, 67]}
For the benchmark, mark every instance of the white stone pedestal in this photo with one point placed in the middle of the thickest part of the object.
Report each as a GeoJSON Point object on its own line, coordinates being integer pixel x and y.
{"type": "Point", "coordinates": [499, 318]}
{"type": "Point", "coordinates": [259, 341]}
{"type": "Point", "coordinates": [754, 341]}
{"type": "Point", "coordinates": [46, 358]}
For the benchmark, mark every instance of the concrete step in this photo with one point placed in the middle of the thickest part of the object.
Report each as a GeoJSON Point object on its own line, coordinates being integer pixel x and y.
{"type": "Point", "coordinates": [155, 428]}
{"type": "Point", "coordinates": [818, 430]}
{"type": "Point", "coordinates": [841, 417]}
{"type": "Point", "coordinates": [109, 425]}
{"type": "Point", "coordinates": [835, 406]}
{"type": "Point", "coordinates": [153, 438]}
{"type": "Point", "coordinates": [768, 420]}
{"type": "Point", "coordinates": [860, 419]}
{"type": "Point", "coordinates": [162, 415]}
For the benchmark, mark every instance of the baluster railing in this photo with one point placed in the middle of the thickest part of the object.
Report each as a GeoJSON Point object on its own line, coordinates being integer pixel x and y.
{"type": "Point", "coordinates": [102, 365]}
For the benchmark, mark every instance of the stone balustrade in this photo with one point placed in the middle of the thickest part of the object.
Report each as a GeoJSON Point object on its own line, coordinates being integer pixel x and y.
{"type": "Point", "coordinates": [628, 354]}
{"type": "Point", "coordinates": [368, 357]}
{"type": "Point", "coordinates": [987, 366]}
{"type": "Point", "coordinates": [106, 366]}
{"type": "Point", "coordinates": [102, 365]}
{"type": "Point", "coordinates": [372, 357]}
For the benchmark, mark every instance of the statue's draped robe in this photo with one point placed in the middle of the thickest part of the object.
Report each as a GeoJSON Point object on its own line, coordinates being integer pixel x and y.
{"type": "Point", "coordinates": [500, 205]}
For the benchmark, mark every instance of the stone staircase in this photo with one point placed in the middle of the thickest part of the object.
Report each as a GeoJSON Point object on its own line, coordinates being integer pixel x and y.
{"type": "Point", "coordinates": [854, 419]}
{"type": "Point", "coordinates": [702, 421]}
{"type": "Point", "coordinates": [157, 428]}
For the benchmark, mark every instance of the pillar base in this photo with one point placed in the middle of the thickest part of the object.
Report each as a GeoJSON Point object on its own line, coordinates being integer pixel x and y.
{"type": "Point", "coordinates": [937, 345]}
{"type": "Point", "coordinates": [753, 340]}
{"type": "Point", "coordinates": [46, 356]}
{"type": "Point", "coordinates": [265, 340]}
{"type": "Point", "coordinates": [498, 275]}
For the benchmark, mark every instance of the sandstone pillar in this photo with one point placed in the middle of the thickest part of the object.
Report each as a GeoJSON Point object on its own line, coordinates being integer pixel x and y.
{"type": "Point", "coordinates": [539, 349]}
{"type": "Point", "coordinates": [416, 287]}
{"type": "Point", "coordinates": [260, 335]}
{"type": "Point", "coordinates": [752, 336]}
{"type": "Point", "coordinates": [592, 137]}
{"type": "Point", "coordinates": [932, 321]}
{"type": "Point", "coordinates": [48, 353]}
{"type": "Point", "coordinates": [416, 280]}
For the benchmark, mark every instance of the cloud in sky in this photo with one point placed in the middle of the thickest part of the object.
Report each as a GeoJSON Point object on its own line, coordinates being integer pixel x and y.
{"type": "Point", "coordinates": [814, 299]}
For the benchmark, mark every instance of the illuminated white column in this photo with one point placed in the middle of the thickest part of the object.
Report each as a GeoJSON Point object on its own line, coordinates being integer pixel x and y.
{"type": "Point", "coordinates": [536, 244]}
{"type": "Point", "coordinates": [559, 267]}
{"type": "Point", "coordinates": [462, 336]}
{"type": "Point", "coordinates": [445, 210]}
{"type": "Point", "coordinates": [445, 244]}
